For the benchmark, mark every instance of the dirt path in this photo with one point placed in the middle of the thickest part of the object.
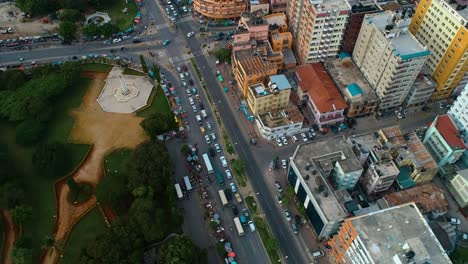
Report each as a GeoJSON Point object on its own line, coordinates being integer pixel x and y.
{"type": "Point", "coordinates": [10, 236]}
{"type": "Point", "coordinates": [106, 131]}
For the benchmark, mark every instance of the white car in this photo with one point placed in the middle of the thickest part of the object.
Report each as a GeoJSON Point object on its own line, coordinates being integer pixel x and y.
{"type": "Point", "coordinates": [188, 92]}
{"type": "Point", "coordinates": [228, 174]}
{"type": "Point", "coordinates": [285, 140]}
{"type": "Point", "coordinates": [304, 137]}
{"type": "Point", "coordinates": [192, 102]}
{"type": "Point", "coordinates": [117, 40]}
{"type": "Point", "coordinates": [455, 221]}
{"type": "Point", "coordinates": [284, 164]}
{"type": "Point", "coordinates": [251, 226]}
{"type": "Point", "coordinates": [217, 147]}
{"type": "Point", "coordinates": [294, 138]}
{"type": "Point", "coordinates": [190, 34]}
{"type": "Point", "coordinates": [279, 142]}
{"type": "Point", "coordinates": [288, 215]}
{"type": "Point", "coordinates": [194, 107]}
{"type": "Point", "coordinates": [208, 125]}
{"type": "Point", "coordinates": [223, 160]}
{"type": "Point", "coordinates": [207, 139]}
{"type": "Point", "coordinates": [233, 187]}
{"type": "Point", "coordinates": [213, 136]}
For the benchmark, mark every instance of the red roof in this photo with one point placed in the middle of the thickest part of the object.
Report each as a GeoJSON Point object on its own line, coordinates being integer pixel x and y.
{"type": "Point", "coordinates": [449, 131]}
{"type": "Point", "coordinates": [314, 80]}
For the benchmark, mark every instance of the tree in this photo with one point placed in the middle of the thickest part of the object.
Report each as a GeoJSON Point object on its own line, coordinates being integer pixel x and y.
{"type": "Point", "coordinates": [21, 214]}
{"type": "Point", "coordinates": [238, 166]}
{"type": "Point", "coordinates": [67, 30]}
{"type": "Point", "coordinates": [92, 29]}
{"type": "Point", "coordinates": [224, 54]}
{"type": "Point", "coordinates": [21, 255]}
{"type": "Point", "coordinates": [158, 123]}
{"type": "Point", "coordinates": [181, 250]}
{"type": "Point", "coordinates": [12, 79]}
{"type": "Point", "coordinates": [71, 15]}
{"type": "Point", "coordinates": [146, 217]}
{"type": "Point", "coordinates": [108, 29]}
{"type": "Point", "coordinates": [112, 190]}
{"type": "Point", "coordinates": [29, 132]}
{"type": "Point", "coordinates": [11, 195]}
{"type": "Point", "coordinates": [143, 64]}
{"type": "Point", "coordinates": [186, 150]}
{"type": "Point", "coordinates": [52, 159]}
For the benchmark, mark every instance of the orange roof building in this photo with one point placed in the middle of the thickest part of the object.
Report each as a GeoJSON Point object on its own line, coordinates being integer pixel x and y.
{"type": "Point", "coordinates": [318, 90]}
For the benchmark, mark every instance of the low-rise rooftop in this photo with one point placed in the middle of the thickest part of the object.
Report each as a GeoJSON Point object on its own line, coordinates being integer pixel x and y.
{"type": "Point", "coordinates": [315, 161]}
{"type": "Point", "coordinates": [396, 31]}
{"type": "Point", "coordinates": [278, 19]}
{"type": "Point", "coordinates": [282, 118]}
{"type": "Point", "coordinates": [360, 6]}
{"type": "Point", "coordinates": [254, 64]}
{"type": "Point", "coordinates": [428, 197]}
{"type": "Point", "coordinates": [280, 81]}
{"type": "Point", "coordinates": [449, 131]}
{"type": "Point", "coordinates": [389, 234]}
{"type": "Point", "coordinates": [349, 79]}
{"type": "Point", "coordinates": [324, 6]}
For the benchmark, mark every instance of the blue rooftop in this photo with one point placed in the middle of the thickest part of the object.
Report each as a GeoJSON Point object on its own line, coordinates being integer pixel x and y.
{"type": "Point", "coordinates": [281, 81]}
{"type": "Point", "coordinates": [343, 55]}
{"type": "Point", "coordinates": [354, 89]}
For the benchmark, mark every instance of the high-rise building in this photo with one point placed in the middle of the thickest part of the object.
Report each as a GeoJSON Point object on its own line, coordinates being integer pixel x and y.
{"type": "Point", "coordinates": [219, 9]}
{"type": "Point", "coordinates": [459, 112]}
{"type": "Point", "coordinates": [397, 234]}
{"type": "Point", "coordinates": [318, 27]}
{"type": "Point", "coordinates": [359, 9]}
{"type": "Point", "coordinates": [420, 93]}
{"type": "Point", "coordinates": [442, 27]}
{"type": "Point", "coordinates": [389, 57]}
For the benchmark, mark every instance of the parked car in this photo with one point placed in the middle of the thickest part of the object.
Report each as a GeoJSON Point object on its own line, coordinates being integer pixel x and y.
{"type": "Point", "coordinates": [295, 229]}
{"type": "Point", "coordinates": [188, 92]}
{"type": "Point", "coordinates": [217, 147]}
{"type": "Point", "coordinates": [213, 136]}
{"type": "Point", "coordinates": [251, 226]}
{"type": "Point", "coordinates": [298, 220]}
{"type": "Point", "coordinates": [318, 254]}
{"type": "Point", "coordinates": [194, 107]}
{"type": "Point", "coordinates": [238, 198]}
{"type": "Point", "coordinates": [279, 198]}
{"type": "Point", "coordinates": [228, 174]}
{"type": "Point", "coordinates": [234, 210]}
{"type": "Point", "coordinates": [192, 102]}
{"type": "Point", "coordinates": [207, 139]}
{"type": "Point", "coordinates": [166, 42]}
{"type": "Point", "coordinates": [287, 214]}
{"type": "Point", "coordinates": [211, 151]}
{"type": "Point", "coordinates": [228, 194]}
{"type": "Point", "coordinates": [208, 125]}
{"type": "Point", "coordinates": [246, 212]}
{"type": "Point", "coordinates": [233, 187]}
{"type": "Point", "coordinates": [285, 140]}
{"type": "Point", "coordinates": [191, 82]}
{"type": "Point", "coordinates": [454, 221]}
{"type": "Point", "coordinates": [190, 34]}
{"type": "Point", "coordinates": [279, 142]}
{"type": "Point", "coordinates": [304, 137]}
{"type": "Point", "coordinates": [223, 161]}
{"type": "Point", "coordinates": [284, 164]}
{"type": "Point", "coordinates": [464, 236]}
{"type": "Point", "coordinates": [278, 186]}
{"type": "Point", "coordinates": [294, 138]}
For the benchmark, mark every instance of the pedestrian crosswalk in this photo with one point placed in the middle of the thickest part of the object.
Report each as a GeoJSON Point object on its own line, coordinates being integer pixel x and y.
{"type": "Point", "coordinates": [186, 57]}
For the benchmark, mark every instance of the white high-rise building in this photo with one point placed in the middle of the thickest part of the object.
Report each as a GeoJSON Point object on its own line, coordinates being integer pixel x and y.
{"type": "Point", "coordinates": [459, 112]}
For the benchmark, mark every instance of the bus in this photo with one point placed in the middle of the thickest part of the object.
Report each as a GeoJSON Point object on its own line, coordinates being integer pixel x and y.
{"type": "Point", "coordinates": [223, 198]}
{"type": "Point", "coordinates": [207, 163]}
{"type": "Point", "coordinates": [240, 229]}
{"type": "Point", "coordinates": [178, 191]}
{"type": "Point", "coordinates": [188, 184]}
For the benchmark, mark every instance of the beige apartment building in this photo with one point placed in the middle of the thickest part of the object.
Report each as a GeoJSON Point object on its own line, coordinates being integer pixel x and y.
{"type": "Point", "coordinates": [220, 9]}
{"type": "Point", "coordinates": [389, 56]}
{"type": "Point", "coordinates": [318, 27]}
{"type": "Point", "coordinates": [267, 98]}
{"type": "Point", "coordinates": [441, 26]}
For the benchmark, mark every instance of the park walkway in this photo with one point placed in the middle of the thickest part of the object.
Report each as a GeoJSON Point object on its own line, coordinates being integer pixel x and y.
{"type": "Point", "coordinates": [9, 236]}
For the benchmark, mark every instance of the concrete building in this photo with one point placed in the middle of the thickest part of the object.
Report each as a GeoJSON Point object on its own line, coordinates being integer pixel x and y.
{"type": "Point", "coordinates": [444, 141]}
{"type": "Point", "coordinates": [458, 187]}
{"type": "Point", "coordinates": [317, 90]}
{"type": "Point", "coordinates": [269, 98]}
{"type": "Point", "coordinates": [318, 27]}
{"type": "Point", "coordinates": [359, 9]}
{"type": "Point", "coordinates": [429, 198]}
{"type": "Point", "coordinates": [220, 9]}
{"type": "Point", "coordinates": [310, 167]}
{"type": "Point", "coordinates": [441, 26]}
{"type": "Point", "coordinates": [410, 155]}
{"type": "Point", "coordinates": [397, 234]}
{"type": "Point", "coordinates": [459, 113]}
{"type": "Point", "coordinates": [284, 122]}
{"type": "Point", "coordinates": [389, 57]}
{"type": "Point", "coordinates": [260, 5]}
{"type": "Point", "coordinates": [278, 6]}
{"type": "Point", "coordinates": [251, 28]}
{"type": "Point", "coordinates": [420, 93]}
{"type": "Point", "coordinates": [359, 95]}
{"type": "Point", "coordinates": [277, 22]}
{"type": "Point", "coordinates": [379, 169]}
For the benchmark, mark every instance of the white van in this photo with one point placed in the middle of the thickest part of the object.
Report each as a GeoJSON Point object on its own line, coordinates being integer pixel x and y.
{"type": "Point", "coordinates": [203, 112]}
{"type": "Point", "coordinates": [182, 77]}
{"type": "Point", "coordinates": [318, 254]}
{"type": "Point", "coordinates": [199, 120]}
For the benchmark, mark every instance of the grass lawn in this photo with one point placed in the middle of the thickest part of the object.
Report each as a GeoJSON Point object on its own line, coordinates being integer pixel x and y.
{"type": "Point", "coordinates": [129, 71]}
{"type": "Point", "coordinates": [157, 104]}
{"type": "Point", "coordinates": [97, 67]}
{"type": "Point", "coordinates": [90, 226]}
{"type": "Point", "coordinates": [114, 10]}
{"type": "Point", "coordinates": [116, 162]}
{"type": "Point", "coordinates": [271, 244]}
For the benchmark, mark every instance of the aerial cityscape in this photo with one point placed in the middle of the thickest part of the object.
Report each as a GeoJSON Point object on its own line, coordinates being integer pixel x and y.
{"type": "Point", "coordinates": [234, 131]}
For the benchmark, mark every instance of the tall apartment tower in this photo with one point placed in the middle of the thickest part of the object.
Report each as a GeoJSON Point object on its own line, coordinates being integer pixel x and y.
{"type": "Point", "coordinates": [318, 27]}
{"type": "Point", "coordinates": [441, 26]}
{"type": "Point", "coordinates": [389, 57]}
{"type": "Point", "coordinates": [459, 112]}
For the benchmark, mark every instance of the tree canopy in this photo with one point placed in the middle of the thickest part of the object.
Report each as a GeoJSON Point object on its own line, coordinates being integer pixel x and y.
{"type": "Point", "coordinates": [51, 159]}
{"type": "Point", "coordinates": [224, 54]}
{"type": "Point", "coordinates": [29, 132]}
{"type": "Point", "coordinates": [67, 30]}
{"type": "Point", "coordinates": [181, 250]}
{"type": "Point", "coordinates": [158, 123]}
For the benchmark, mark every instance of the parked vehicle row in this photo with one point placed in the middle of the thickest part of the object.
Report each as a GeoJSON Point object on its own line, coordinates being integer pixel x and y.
{"type": "Point", "coordinates": [283, 140]}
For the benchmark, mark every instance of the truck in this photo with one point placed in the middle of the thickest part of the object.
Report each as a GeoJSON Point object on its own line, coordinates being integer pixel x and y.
{"type": "Point", "coordinates": [203, 113]}
{"type": "Point", "coordinates": [223, 198]}
{"type": "Point", "coordinates": [240, 229]}
{"type": "Point", "coordinates": [220, 178]}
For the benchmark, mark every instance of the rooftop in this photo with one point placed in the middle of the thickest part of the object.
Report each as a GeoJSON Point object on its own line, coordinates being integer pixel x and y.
{"type": "Point", "coordinates": [449, 131]}
{"type": "Point", "coordinates": [347, 76]}
{"type": "Point", "coordinates": [428, 197]}
{"type": "Point", "coordinates": [255, 64]}
{"type": "Point", "coordinates": [316, 160]}
{"type": "Point", "coordinates": [314, 80]}
{"type": "Point", "coordinates": [281, 81]}
{"type": "Point", "coordinates": [410, 147]}
{"type": "Point", "coordinates": [463, 173]}
{"type": "Point", "coordinates": [323, 6]}
{"type": "Point", "coordinates": [385, 168]}
{"type": "Point", "coordinates": [404, 43]}
{"type": "Point", "coordinates": [288, 56]}
{"type": "Point", "coordinates": [390, 233]}
{"type": "Point", "coordinates": [282, 118]}
{"type": "Point", "coordinates": [260, 90]}
{"type": "Point", "coordinates": [359, 6]}
{"type": "Point", "coordinates": [277, 18]}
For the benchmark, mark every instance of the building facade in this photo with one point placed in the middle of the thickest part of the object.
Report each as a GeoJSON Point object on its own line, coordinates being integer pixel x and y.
{"type": "Point", "coordinates": [358, 10]}
{"type": "Point", "coordinates": [317, 90]}
{"type": "Point", "coordinates": [278, 6]}
{"type": "Point", "coordinates": [389, 57]}
{"type": "Point", "coordinates": [441, 26]}
{"type": "Point", "coordinates": [444, 141]}
{"type": "Point", "coordinates": [251, 70]}
{"type": "Point", "coordinates": [398, 234]}
{"type": "Point", "coordinates": [216, 9]}
{"type": "Point", "coordinates": [458, 187]}
{"type": "Point", "coordinates": [318, 27]}
{"type": "Point", "coordinates": [459, 114]}
{"type": "Point", "coordinates": [420, 93]}
{"type": "Point", "coordinates": [267, 98]}
{"type": "Point", "coordinates": [286, 122]}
